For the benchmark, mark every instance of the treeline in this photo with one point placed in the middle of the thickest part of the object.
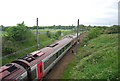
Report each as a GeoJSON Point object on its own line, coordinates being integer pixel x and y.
{"type": "Point", "coordinates": [53, 27]}
{"type": "Point", "coordinates": [42, 27]}
{"type": "Point", "coordinates": [56, 27]}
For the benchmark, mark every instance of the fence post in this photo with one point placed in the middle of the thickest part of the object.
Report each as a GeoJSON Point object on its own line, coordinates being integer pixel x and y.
{"type": "Point", "coordinates": [1, 45]}
{"type": "Point", "coordinates": [77, 36]}
{"type": "Point", "coordinates": [37, 37]}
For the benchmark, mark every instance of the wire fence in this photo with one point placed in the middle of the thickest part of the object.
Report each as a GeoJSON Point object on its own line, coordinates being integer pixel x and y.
{"type": "Point", "coordinates": [17, 52]}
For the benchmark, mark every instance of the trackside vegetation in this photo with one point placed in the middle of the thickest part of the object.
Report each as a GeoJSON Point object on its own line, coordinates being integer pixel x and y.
{"type": "Point", "coordinates": [97, 56]}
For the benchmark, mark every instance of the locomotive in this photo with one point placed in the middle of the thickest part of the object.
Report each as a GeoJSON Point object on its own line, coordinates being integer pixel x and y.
{"type": "Point", "coordinates": [35, 65]}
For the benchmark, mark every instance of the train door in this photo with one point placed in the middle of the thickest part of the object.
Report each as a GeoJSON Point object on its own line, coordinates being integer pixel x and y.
{"type": "Point", "coordinates": [40, 70]}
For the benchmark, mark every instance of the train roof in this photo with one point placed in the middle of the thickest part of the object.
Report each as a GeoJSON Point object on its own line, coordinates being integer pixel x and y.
{"type": "Point", "coordinates": [11, 71]}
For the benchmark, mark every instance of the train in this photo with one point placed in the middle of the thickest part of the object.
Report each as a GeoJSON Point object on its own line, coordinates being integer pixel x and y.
{"type": "Point", "coordinates": [34, 66]}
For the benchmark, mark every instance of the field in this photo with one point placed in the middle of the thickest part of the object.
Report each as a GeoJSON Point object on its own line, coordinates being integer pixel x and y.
{"type": "Point", "coordinates": [52, 30]}
{"type": "Point", "coordinates": [64, 32]}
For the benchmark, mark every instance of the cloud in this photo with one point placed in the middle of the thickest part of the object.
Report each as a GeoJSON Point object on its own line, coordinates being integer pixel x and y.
{"type": "Point", "coordinates": [59, 12]}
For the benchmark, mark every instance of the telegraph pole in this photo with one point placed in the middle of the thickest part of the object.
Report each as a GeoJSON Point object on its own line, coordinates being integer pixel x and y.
{"type": "Point", "coordinates": [77, 36]}
{"type": "Point", "coordinates": [1, 45]}
{"type": "Point", "coordinates": [37, 37]}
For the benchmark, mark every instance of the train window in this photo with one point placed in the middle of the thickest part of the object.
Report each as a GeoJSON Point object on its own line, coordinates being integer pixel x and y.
{"type": "Point", "coordinates": [22, 79]}
{"type": "Point", "coordinates": [65, 47]}
{"type": "Point", "coordinates": [62, 50]}
{"type": "Point", "coordinates": [68, 45]}
{"type": "Point", "coordinates": [51, 59]}
{"type": "Point", "coordinates": [25, 79]}
{"type": "Point", "coordinates": [45, 64]}
{"type": "Point", "coordinates": [57, 55]}
{"type": "Point", "coordinates": [59, 52]}
{"type": "Point", "coordinates": [48, 62]}
{"type": "Point", "coordinates": [33, 74]}
{"type": "Point", "coordinates": [54, 57]}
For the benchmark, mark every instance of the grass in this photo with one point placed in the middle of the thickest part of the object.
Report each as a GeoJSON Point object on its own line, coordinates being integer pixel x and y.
{"type": "Point", "coordinates": [98, 60]}
{"type": "Point", "coordinates": [65, 32]}
{"type": "Point", "coordinates": [51, 30]}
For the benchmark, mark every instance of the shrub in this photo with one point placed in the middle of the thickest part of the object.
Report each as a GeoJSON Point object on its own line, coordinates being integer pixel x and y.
{"type": "Point", "coordinates": [18, 33]}
{"type": "Point", "coordinates": [59, 33]}
{"type": "Point", "coordinates": [113, 29]}
{"type": "Point", "coordinates": [7, 50]}
{"type": "Point", "coordinates": [93, 33]}
{"type": "Point", "coordinates": [48, 34]}
{"type": "Point", "coordinates": [16, 37]}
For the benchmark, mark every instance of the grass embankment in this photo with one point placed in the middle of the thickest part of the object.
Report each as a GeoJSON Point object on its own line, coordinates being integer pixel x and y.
{"type": "Point", "coordinates": [97, 60]}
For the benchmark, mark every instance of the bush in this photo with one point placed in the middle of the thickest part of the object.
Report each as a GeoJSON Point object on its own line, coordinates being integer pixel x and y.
{"type": "Point", "coordinates": [112, 30]}
{"type": "Point", "coordinates": [48, 34]}
{"type": "Point", "coordinates": [7, 50]}
{"type": "Point", "coordinates": [93, 33]}
{"type": "Point", "coordinates": [16, 37]}
{"type": "Point", "coordinates": [55, 35]}
{"type": "Point", "coordinates": [18, 33]}
{"type": "Point", "coordinates": [58, 33]}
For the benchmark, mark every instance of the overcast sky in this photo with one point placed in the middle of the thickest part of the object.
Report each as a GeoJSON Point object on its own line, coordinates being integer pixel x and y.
{"type": "Point", "coordinates": [58, 12]}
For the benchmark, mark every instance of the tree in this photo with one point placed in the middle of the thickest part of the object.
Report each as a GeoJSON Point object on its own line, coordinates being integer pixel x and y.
{"type": "Point", "coordinates": [113, 29]}
{"type": "Point", "coordinates": [18, 33]}
{"type": "Point", "coordinates": [2, 28]}
{"type": "Point", "coordinates": [58, 33]}
{"type": "Point", "coordinates": [48, 34]}
{"type": "Point", "coordinates": [21, 24]}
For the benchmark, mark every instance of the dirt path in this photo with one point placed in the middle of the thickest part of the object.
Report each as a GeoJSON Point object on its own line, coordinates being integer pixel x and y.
{"type": "Point", "coordinates": [59, 68]}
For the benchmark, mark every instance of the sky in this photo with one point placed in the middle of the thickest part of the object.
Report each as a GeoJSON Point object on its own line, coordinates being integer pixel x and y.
{"type": "Point", "coordinates": [59, 12]}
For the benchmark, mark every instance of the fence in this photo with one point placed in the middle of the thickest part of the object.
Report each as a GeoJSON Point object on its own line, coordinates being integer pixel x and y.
{"type": "Point", "coordinates": [43, 43]}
